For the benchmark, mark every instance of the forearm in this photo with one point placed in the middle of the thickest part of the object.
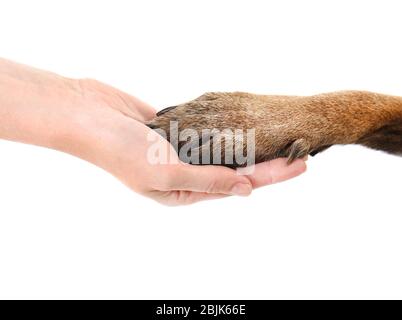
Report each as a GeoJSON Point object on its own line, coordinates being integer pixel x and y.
{"type": "Point", "coordinates": [45, 109]}
{"type": "Point", "coordinates": [34, 105]}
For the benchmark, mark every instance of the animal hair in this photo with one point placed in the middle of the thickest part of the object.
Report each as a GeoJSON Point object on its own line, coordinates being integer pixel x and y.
{"type": "Point", "coordinates": [294, 126]}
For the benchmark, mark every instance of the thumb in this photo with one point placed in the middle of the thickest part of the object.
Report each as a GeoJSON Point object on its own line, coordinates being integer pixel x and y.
{"type": "Point", "coordinates": [211, 179]}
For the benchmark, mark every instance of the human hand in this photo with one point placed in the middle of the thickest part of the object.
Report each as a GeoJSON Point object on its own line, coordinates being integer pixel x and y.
{"type": "Point", "coordinates": [175, 183]}
{"type": "Point", "coordinates": [105, 126]}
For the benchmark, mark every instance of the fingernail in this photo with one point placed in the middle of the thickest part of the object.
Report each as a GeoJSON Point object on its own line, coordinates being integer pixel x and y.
{"type": "Point", "coordinates": [241, 189]}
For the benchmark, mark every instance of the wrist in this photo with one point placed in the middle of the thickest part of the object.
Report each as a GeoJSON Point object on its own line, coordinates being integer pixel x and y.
{"type": "Point", "coordinates": [89, 128]}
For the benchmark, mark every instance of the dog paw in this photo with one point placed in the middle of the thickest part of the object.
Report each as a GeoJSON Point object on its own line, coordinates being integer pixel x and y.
{"type": "Point", "coordinates": [242, 125]}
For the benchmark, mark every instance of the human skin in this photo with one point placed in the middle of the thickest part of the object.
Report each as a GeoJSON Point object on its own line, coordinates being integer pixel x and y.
{"type": "Point", "coordinates": [102, 125]}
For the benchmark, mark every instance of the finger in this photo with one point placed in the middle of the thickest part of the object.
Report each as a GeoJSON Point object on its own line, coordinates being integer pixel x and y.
{"type": "Point", "coordinates": [210, 179]}
{"type": "Point", "coordinates": [147, 112]}
{"type": "Point", "coordinates": [275, 171]}
{"type": "Point", "coordinates": [129, 105]}
{"type": "Point", "coordinates": [180, 197]}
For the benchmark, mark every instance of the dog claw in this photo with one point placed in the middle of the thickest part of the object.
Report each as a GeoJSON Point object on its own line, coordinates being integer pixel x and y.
{"type": "Point", "coordinates": [163, 111]}
{"type": "Point", "coordinates": [298, 149]}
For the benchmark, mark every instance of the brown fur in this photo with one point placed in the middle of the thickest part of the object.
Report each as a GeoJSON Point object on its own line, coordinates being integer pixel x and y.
{"type": "Point", "coordinates": [295, 126]}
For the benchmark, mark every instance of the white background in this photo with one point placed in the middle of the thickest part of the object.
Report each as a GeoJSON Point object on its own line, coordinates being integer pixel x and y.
{"type": "Point", "coordinates": [70, 230]}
